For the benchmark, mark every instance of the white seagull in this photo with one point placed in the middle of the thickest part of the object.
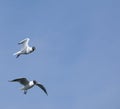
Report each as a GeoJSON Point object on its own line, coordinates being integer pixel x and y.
{"type": "Point", "coordinates": [28, 84]}
{"type": "Point", "coordinates": [26, 49]}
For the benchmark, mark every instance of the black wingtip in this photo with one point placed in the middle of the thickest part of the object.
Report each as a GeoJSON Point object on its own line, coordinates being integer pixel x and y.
{"type": "Point", "coordinates": [46, 93]}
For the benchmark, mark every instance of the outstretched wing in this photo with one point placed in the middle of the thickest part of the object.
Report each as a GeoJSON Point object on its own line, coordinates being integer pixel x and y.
{"type": "Point", "coordinates": [42, 87]}
{"type": "Point", "coordinates": [22, 81]}
{"type": "Point", "coordinates": [24, 42]}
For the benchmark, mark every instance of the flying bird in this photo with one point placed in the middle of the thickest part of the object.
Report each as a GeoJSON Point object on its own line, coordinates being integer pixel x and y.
{"type": "Point", "coordinates": [26, 49]}
{"type": "Point", "coordinates": [28, 84]}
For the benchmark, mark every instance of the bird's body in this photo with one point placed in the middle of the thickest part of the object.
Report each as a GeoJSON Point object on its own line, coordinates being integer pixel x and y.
{"type": "Point", "coordinates": [26, 49]}
{"type": "Point", "coordinates": [28, 84]}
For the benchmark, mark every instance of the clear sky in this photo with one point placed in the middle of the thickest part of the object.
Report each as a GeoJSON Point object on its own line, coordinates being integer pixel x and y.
{"type": "Point", "coordinates": [77, 57]}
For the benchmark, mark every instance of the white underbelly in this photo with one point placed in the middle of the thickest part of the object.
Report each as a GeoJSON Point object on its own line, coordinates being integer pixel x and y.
{"type": "Point", "coordinates": [27, 87]}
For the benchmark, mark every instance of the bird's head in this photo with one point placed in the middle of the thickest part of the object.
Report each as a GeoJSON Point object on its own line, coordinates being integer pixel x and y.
{"type": "Point", "coordinates": [35, 82]}
{"type": "Point", "coordinates": [33, 48]}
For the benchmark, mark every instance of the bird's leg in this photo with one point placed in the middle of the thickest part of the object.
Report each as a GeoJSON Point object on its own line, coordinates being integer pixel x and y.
{"type": "Point", "coordinates": [17, 55]}
{"type": "Point", "coordinates": [25, 91]}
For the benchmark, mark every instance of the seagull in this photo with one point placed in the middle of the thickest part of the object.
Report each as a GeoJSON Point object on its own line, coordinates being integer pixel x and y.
{"type": "Point", "coordinates": [28, 84]}
{"type": "Point", "coordinates": [26, 49]}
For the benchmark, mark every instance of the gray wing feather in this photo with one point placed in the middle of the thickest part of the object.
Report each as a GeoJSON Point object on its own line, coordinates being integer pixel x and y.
{"type": "Point", "coordinates": [24, 43]}
{"type": "Point", "coordinates": [26, 40]}
{"type": "Point", "coordinates": [42, 87]}
{"type": "Point", "coordinates": [22, 81]}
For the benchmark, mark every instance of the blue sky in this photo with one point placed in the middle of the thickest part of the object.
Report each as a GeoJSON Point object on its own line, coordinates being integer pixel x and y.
{"type": "Point", "coordinates": [77, 57]}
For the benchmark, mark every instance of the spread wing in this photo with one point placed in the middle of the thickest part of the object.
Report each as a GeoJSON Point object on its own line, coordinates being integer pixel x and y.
{"type": "Point", "coordinates": [42, 87]}
{"type": "Point", "coordinates": [24, 42]}
{"type": "Point", "coordinates": [22, 81]}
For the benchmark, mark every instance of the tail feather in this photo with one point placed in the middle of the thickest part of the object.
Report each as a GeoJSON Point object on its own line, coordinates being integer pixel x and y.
{"type": "Point", "coordinates": [14, 54]}
{"type": "Point", "coordinates": [17, 54]}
